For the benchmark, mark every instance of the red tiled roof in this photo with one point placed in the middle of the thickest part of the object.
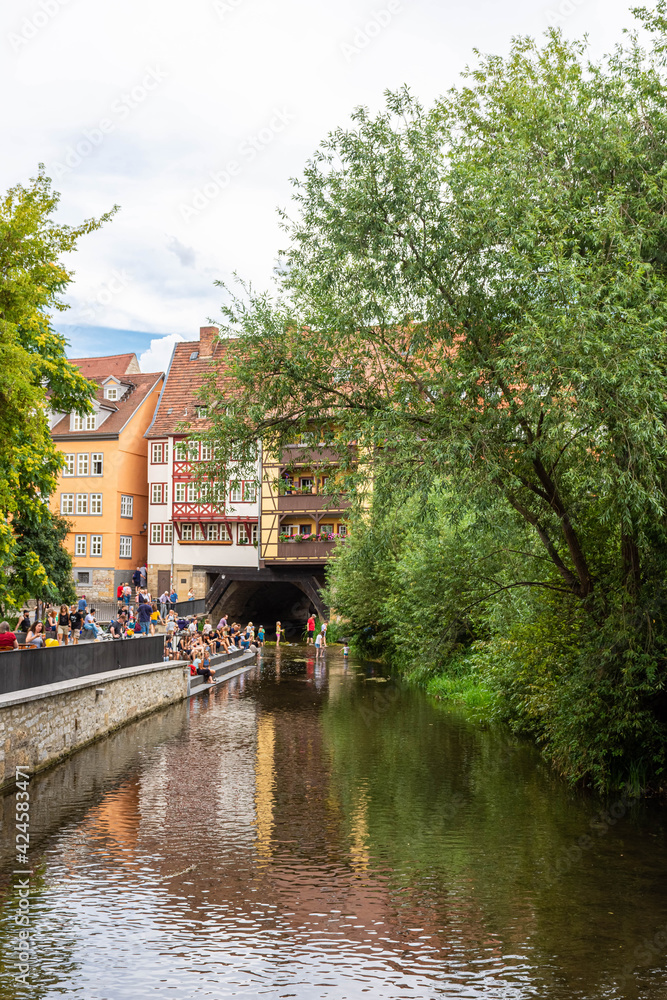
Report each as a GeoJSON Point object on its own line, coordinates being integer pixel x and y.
{"type": "Point", "coordinates": [121, 409]}
{"type": "Point", "coordinates": [190, 362]}
{"type": "Point", "coordinates": [114, 364]}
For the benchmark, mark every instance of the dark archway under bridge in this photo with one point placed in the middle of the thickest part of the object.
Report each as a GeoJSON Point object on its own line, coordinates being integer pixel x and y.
{"type": "Point", "coordinates": [266, 595]}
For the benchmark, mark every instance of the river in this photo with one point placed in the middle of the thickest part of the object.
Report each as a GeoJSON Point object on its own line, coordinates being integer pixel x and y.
{"type": "Point", "coordinates": [315, 830]}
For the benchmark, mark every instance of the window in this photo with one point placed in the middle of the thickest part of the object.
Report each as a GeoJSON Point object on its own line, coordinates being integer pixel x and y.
{"type": "Point", "coordinates": [193, 450]}
{"type": "Point", "coordinates": [96, 463]}
{"type": "Point", "coordinates": [126, 546]}
{"type": "Point", "coordinates": [225, 533]}
{"type": "Point", "coordinates": [159, 493]}
{"type": "Point", "coordinates": [156, 534]}
{"type": "Point", "coordinates": [69, 465]}
{"type": "Point", "coordinates": [244, 537]}
{"type": "Point", "coordinates": [250, 491]}
{"type": "Point", "coordinates": [126, 506]}
{"type": "Point", "coordinates": [193, 492]}
{"type": "Point", "coordinates": [213, 532]}
{"type": "Point", "coordinates": [235, 492]}
{"type": "Point", "coordinates": [205, 452]}
{"type": "Point", "coordinates": [325, 482]}
{"type": "Point", "coordinates": [199, 534]}
{"type": "Point", "coordinates": [82, 503]}
{"type": "Point", "coordinates": [180, 451]}
{"type": "Point", "coordinates": [111, 392]}
{"type": "Point", "coordinates": [305, 529]}
{"type": "Point", "coordinates": [83, 576]}
{"type": "Point", "coordinates": [79, 545]}
{"type": "Point", "coordinates": [66, 503]}
{"type": "Point", "coordinates": [158, 453]}
{"type": "Point", "coordinates": [342, 530]}
{"type": "Point", "coordinates": [96, 545]}
{"type": "Point", "coordinates": [186, 532]}
{"type": "Point", "coordinates": [82, 465]}
{"type": "Point", "coordinates": [179, 492]}
{"type": "Point", "coordinates": [201, 412]}
{"type": "Point", "coordinates": [326, 529]}
{"type": "Point", "coordinates": [95, 503]}
{"type": "Point", "coordinates": [306, 483]}
{"type": "Point", "coordinates": [167, 533]}
{"type": "Point", "coordinates": [87, 422]}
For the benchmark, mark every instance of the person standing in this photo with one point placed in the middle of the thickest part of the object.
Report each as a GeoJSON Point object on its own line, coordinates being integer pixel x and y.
{"type": "Point", "coordinates": [23, 624]}
{"type": "Point", "coordinates": [76, 622]}
{"type": "Point", "coordinates": [136, 579]}
{"type": "Point", "coordinates": [323, 633]}
{"type": "Point", "coordinates": [64, 624]}
{"type": "Point", "coordinates": [173, 598]}
{"type": "Point", "coordinates": [260, 636]}
{"type": "Point", "coordinates": [143, 576]}
{"type": "Point", "coordinates": [310, 630]}
{"type": "Point", "coordinates": [279, 630]}
{"type": "Point", "coordinates": [164, 601]}
{"type": "Point", "coordinates": [144, 613]}
{"type": "Point", "coordinates": [82, 604]}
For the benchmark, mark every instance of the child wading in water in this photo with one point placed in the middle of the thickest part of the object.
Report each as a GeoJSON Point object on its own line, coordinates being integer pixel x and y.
{"type": "Point", "coordinates": [260, 635]}
{"type": "Point", "coordinates": [278, 633]}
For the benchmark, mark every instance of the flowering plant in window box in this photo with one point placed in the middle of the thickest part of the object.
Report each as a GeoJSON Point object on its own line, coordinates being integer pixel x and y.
{"type": "Point", "coordinates": [298, 538]}
{"type": "Point", "coordinates": [284, 538]}
{"type": "Point", "coordinates": [243, 541]}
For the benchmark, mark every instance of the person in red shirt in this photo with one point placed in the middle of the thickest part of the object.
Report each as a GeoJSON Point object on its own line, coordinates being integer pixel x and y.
{"type": "Point", "coordinates": [7, 638]}
{"type": "Point", "coordinates": [311, 631]}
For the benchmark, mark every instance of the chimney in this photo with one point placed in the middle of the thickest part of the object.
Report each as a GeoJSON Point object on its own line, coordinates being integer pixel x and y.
{"type": "Point", "coordinates": [207, 338]}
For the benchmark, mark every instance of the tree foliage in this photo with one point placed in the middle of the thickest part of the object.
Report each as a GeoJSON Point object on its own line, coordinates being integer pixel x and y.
{"type": "Point", "coordinates": [36, 378]}
{"type": "Point", "coordinates": [477, 291]}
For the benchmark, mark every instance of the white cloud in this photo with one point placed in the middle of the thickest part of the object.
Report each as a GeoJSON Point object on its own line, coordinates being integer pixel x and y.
{"type": "Point", "coordinates": [158, 355]}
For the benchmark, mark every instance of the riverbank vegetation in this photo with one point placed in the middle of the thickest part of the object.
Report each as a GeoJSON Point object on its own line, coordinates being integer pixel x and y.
{"type": "Point", "coordinates": [475, 296]}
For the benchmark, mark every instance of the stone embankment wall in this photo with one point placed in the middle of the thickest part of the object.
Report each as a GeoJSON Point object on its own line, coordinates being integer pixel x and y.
{"type": "Point", "coordinates": [41, 725]}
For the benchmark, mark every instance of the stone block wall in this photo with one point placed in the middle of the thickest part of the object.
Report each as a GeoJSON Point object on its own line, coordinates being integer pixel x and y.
{"type": "Point", "coordinates": [42, 725]}
{"type": "Point", "coordinates": [101, 587]}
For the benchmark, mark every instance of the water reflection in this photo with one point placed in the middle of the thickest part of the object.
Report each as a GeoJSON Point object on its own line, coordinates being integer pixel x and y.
{"type": "Point", "coordinates": [312, 830]}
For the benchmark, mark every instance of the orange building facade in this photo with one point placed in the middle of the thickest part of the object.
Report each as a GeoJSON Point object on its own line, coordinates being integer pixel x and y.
{"type": "Point", "coordinates": [103, 489]}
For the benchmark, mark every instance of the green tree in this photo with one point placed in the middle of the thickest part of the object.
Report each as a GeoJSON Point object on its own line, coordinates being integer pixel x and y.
{"type": "Point", "coordinates": [478, 291]}
{"type": "Point", "coordinates": [37, 378]}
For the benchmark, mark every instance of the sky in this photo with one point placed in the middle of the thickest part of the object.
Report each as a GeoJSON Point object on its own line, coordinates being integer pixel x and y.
{"type": "Point", "coordinates": [193, 117]}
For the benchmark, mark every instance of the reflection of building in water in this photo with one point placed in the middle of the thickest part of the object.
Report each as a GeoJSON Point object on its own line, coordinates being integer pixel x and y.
{"type": "Point", "coordinates": [265, 783]}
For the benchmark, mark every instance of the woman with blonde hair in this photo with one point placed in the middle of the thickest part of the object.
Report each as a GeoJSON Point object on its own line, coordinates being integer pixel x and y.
{"type": "Point", "coordinates": [279, 630]}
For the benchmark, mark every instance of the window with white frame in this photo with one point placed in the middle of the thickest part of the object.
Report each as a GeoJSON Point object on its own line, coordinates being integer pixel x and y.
{"type": "Point", "coordinates": [253, 534]}
{"type": "Point", "coordinates": [79, 545]}
{"type": "Point", "coordinates": [158, 493]}
{"type": "Point", "coordinates": [186, 532]}
{"type": "Point", "coordinates": [199, 534]}
{"type": "Point", "coordinates": [96, 463]}
{"type": "Point", "coordinates": [95, 503]}
{"type": "Point", "coordinates": [201, 412]}
{"type": "Point", "coordinates": [111, 392]}
{"type": "Point", "coordinates": [126, 506]}
{"type": "Point", "coordinates": [179, 492]}
{"type": "Point", "coordinates": [96, 545]}
{"type": "Point", "coordinates": [326, 529]}
{"type": "Point", "coordinates": [156, 534]}
{"type": "Point", "coordinates": [193, 492]}
{"type": "Point", "coordinates": [242, 535]}
{"type": "Point", "coordinates": [306, 483]}
{"type": "Point", "coordinates": [213, 532]}
{"type": "Point", "coordinates": [250, 491]}
{"type": "Point", "coordinates": [68, 469]}
{"type": "Point", "coordinates": [158, 453]}
{"type": "Point", "coordinates": [180, 451]}
{"type": "Point", "coordinates": [193, 450]}
{"type": "Point", "coordinates": [342, 530]}
{"type": "Point", "coordinates": [205, 451]}
{"type": "Point", "coordinates": [82, 503]}
{"type": "Point", "coordinates": [167, 533]}
{"type": "Point", "coordinates": [82, 465]}
{"type": "Point", "coordinates": [66, 503]}
{"type": "Point", "coordinates": [125, 547]}
{"type": "Point", "coordinates": [225, 534]}
{"type": "Point", "coordinates": [235, 491]}
{"type": "Point", "coordinates": [87, 422]}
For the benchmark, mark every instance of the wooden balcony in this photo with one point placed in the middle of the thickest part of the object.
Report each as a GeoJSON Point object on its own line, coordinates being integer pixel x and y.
{"type": "Point", "coordinates": [305, 552]}
{"type": "Point", "coordinates": [306, 502]}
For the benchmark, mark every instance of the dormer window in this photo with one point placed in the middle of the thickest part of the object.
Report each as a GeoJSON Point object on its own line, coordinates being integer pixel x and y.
{"type": "Point", "coordinates": [87, 422]}
{"type": "Point", "coordinates": [111, 392]}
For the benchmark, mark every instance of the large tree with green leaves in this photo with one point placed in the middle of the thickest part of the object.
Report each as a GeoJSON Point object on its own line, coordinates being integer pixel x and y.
{"type": "Point", "coordinates": [479, 290]}
{"type": "Point", "coordinates": [36, 377]}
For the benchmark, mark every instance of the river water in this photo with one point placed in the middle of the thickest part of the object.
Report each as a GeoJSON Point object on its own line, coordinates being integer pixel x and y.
{"type": "Point", "coordinates": [313, 830]}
